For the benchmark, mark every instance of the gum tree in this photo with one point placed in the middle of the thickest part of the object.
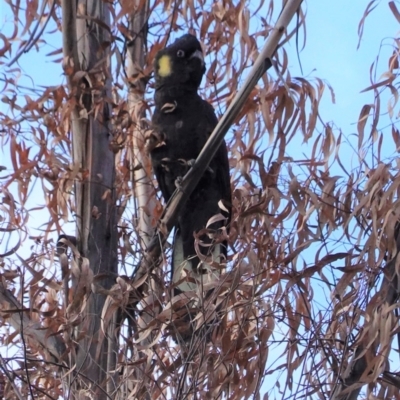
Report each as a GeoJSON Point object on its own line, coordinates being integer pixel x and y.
{"type": "Point", "coordinates": [86, 306]}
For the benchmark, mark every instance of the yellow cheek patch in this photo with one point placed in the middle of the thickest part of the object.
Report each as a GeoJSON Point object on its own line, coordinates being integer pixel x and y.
{"type": "Point", "coordinates": [164, 66]}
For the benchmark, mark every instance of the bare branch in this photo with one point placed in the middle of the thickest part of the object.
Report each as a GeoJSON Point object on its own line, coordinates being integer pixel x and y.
{"type": "Point", "coordinates": [10, 378]}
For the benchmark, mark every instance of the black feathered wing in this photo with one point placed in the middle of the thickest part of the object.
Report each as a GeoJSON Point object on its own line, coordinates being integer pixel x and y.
{"type": "Point", "coordinates": [188, 271]}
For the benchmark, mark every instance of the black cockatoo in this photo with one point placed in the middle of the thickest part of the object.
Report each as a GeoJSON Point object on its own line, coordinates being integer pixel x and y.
{"type": "Point", "coordinates": [182, 122]}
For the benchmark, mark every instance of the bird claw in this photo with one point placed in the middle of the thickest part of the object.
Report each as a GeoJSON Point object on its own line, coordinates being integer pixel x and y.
{"type": "Point", "coordinates": [178, 182]}
{"type": "Point", "coordinates": [186, 163]}
{"type": "Point", "coordinates": [190, 163]}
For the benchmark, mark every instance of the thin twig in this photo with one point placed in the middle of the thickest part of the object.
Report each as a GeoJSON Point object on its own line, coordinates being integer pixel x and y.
{"type": "Point", "coordinates": [32, 40]}
{"type": "Point", "coordinates": [3, 367]}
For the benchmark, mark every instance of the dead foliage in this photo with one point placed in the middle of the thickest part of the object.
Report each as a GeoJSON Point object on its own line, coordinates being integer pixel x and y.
{"type": "Point", "coordinates": [310, 237]}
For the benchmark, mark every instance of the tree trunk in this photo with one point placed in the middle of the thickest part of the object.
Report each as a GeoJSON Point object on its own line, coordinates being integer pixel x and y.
{"type": "Point", "coordinates": [87, 64]}
{"type": "Point", "coordinates": [143, 187]}
{"type": "Point", "coordinates": [141, 176]}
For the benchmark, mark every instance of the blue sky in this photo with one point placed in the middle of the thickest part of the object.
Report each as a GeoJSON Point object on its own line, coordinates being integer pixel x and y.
{"type": "Point", "coordinates": [330, 54]}
{"type": "Point", "coordinates": [330, 51]}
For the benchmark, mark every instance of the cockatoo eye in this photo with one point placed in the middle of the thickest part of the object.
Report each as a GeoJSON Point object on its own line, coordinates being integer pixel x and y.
{"type": "Point", "coordinates": [180, 53]}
